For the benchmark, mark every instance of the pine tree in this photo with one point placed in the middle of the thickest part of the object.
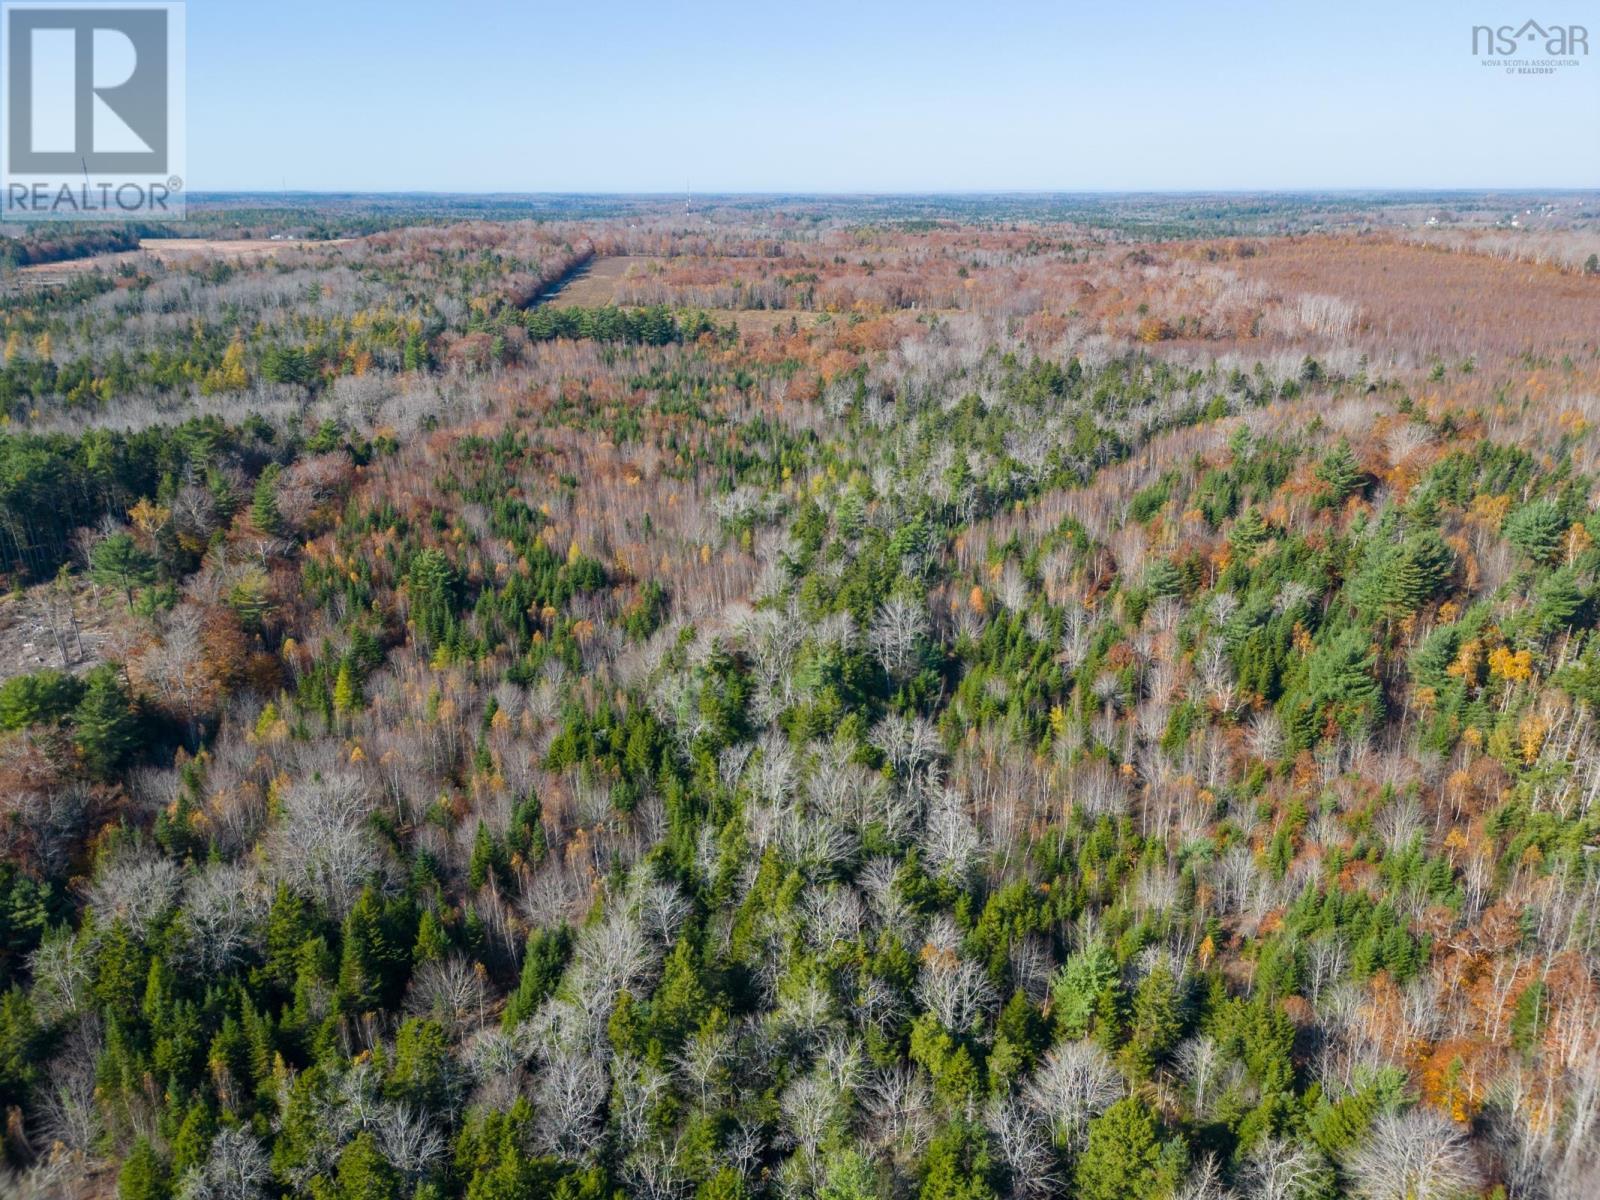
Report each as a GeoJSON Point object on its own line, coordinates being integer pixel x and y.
{"type": "Point", "coordinates": [1341, 473]}
{"type": "Point", "coordinates": [1536, 529]}
{"type": "Point", "coordinates": [116, 561]}
{"type": "Point", "coordinates": [1078, 985]}
{"type": "Point", "coordinates": [1341, 676]}
{"type": "Point", "coordinates": [106, 727]}
{"type": "Point", "coordinates": [1163, 579]}
{"type": "Point", "coordinates": [1557, 602]}
{"type": "Point", "coordinates": [1249, 531]}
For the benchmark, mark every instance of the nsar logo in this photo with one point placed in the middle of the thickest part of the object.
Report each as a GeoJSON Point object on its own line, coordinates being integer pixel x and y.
{"type": "Point", "coordinates": [1531, 48]}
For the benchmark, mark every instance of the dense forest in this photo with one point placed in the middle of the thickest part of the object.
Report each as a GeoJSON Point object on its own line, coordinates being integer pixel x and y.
{"type": "Point", "coordinates": [719, 706]}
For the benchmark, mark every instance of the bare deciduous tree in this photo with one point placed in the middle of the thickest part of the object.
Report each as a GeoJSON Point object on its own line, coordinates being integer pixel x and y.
{"type": "Point", "coordinates": [1278, 1169]}
{"type": "Point", "coordinates": [236, 1168]}
{"type": "Point", "coordinates": [1419, 1155]}
{"type": "Point", "coordinates": [1075, 1083]}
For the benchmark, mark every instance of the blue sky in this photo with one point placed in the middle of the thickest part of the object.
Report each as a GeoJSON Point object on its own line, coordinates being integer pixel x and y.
{"type": "Point", "coordinates": [878, 95]}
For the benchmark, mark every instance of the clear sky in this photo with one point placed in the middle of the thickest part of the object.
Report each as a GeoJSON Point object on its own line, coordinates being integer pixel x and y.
{"type": "Point", "coordinates": [878, 95]}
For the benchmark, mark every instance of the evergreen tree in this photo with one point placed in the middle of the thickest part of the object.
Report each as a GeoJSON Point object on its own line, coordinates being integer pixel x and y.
{"type": "Point", "coordinates": [959, 1166]}
{"type": "Point", "coordinates": [144, 1176]}
{"type": "Point", "coordinates": [848, 1175]}
{"type": "Point", "coordinates": [433, 943]}
{"type": "Point", "coordinates": [116, 561]}
{"type": "Point", "coordinates": [1157, 1020]}
{"type": "Point", "coordinates": [1163, 579]}
{"type": "Point", "coordinates": [364, 955]}
{"type": "Point", "coordinates": [1249, 531]}
{"type": "Point", "coordinates": [487, 857]}
{"type": "Point", "coordinates": [346, 691]}
{"type": "Point", "coordinates": [21, 1040]}
{"type": "Point", "coordinates": [681, 1002]}
{"type": "Point", "coordinates": [105, 723]}
{"type": "Point", "coordinates": [1536, 529]}
{"type": "Point", "coordinates": [422, 1065]}
{"type": "Point", "coordinates": [1123, 1159]}
{"type": "Point", "coordinates": [525, 835]}
{"type": "Point", "coordinates": [416, 356]}
{"type": "Point", "coordinates": [1397, 578]}
{"type": "Point", "coordinates": [1079, 985]}
{"type": "Point", "coordinates": [36, 699]}
{"type": "Point", "coordinates": [430, 590]}
{"type": "Point", "coordinates": [726, 1184]}
{"type": "Point", "coordinates": [1341, 678]}
{"type": "Point", "coordinates": [1557, 603]}
{"type": "Point", "coordinates": [542, 966]}
{"type": "Point", "coordinates": [1021, 1035]}
{"type": "Point", "coordinates": [264, 513]}
{"type": "Point", "coordinates": [364, 1173]}
{"type": "Point", "coordinates": [1340, 472]}
{"type": "Point", "coordinates": [193, 1140]}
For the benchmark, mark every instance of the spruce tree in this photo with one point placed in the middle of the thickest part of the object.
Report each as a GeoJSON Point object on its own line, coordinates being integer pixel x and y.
{"type": "Point", "coordinates": [365, 1174]}
{"type": "Point", "coordinates": [1123, 1158]}
{"type": "Point", "coordinates": [144, 1176]}
{"type": "Point", "coordinates": [546, 958]}
{"type": "Point", "coordinates": [959, 1166]}
{"type": "Point", "coordinates": [264, 513]}
{"type": "Point", "coordinates": [362, 956]}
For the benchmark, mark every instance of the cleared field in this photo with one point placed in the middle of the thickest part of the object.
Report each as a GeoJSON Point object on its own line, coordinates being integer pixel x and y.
{"type": "Point", "coordinates": [1439, 301]}
{"type": "Point", "coordinates": [597, 286]}
{"type": "Point", "coordinates": [170, 252]}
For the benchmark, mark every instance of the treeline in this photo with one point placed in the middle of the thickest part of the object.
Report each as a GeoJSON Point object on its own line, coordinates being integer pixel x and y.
{"type": "Point", "coordinates": [54, 484]}
{"type": "Point", "coordinates": [657, 325]}
{"type": "Point", "coordinates": [59, 246]}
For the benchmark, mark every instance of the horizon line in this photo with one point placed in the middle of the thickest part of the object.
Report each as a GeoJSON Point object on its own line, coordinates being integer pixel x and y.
{"type": "Point", "coordinates": [972, 193]}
